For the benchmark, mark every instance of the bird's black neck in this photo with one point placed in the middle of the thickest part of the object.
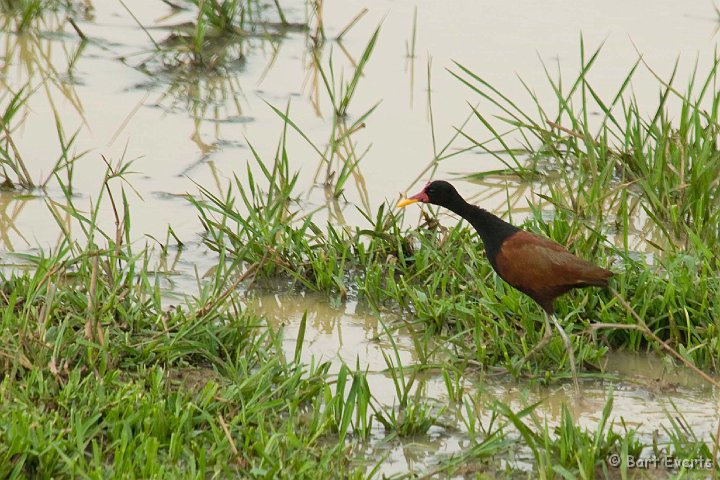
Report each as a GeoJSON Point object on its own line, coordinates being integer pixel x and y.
{"type": "Point", "coordinates": [492, 230]}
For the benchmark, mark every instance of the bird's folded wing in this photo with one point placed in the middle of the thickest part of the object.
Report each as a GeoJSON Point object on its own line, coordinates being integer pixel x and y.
{"type": "Point", "coordinates": [527, 261]}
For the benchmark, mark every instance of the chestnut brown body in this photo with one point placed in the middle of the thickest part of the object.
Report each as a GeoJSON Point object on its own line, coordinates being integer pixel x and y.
{"type": "Point", "coordinates": [544, 270]}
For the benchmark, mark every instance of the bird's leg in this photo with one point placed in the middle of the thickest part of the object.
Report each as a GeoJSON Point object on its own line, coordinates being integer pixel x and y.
{"type": "Point", "coordinates": [543, 341]}
{"type": "Point", "coordinates": [571, 353]}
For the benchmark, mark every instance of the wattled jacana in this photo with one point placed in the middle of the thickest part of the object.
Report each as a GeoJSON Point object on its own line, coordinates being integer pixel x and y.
{"type": "Point", "coordinates": [537, 266]}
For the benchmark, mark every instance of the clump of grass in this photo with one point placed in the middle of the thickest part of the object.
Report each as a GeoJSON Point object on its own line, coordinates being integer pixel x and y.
{"type": "Point", "coordinates": [218, 39]}
{"type": "Point", "coordinates": [27, 16]}
{"type": "Point", "coordinates": [223, 15]}
{"type": "Point", "coordinates": [664, 166]}
{"type": "Point", "coordinates": [25, 12]}
{"type": "Point", "coordinates": [571, 451]}
{"type": "Point", "coordinates": [341, 157]}
{"type": "Point", "coordinates": [104, 380]}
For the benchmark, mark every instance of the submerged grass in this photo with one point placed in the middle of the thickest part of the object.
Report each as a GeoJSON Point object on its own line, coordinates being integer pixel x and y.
{"type": "Point", "coordinates": [14, 172]}
{"type": "Point", "coordinates": [216, 39]}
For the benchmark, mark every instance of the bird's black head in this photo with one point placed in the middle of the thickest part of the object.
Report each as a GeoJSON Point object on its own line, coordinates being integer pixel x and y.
{"type": "Point", "coordinates": [438, 192]}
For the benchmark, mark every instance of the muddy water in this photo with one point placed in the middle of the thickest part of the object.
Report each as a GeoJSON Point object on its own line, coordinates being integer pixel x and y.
{"type": "Point", "coordinates": [180, 126]}
{"type": "Point", "coordinates": [647, 391]}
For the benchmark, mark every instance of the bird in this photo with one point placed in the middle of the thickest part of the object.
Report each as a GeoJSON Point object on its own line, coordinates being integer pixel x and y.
{"type": "Point", "coordinates": [537, 266]}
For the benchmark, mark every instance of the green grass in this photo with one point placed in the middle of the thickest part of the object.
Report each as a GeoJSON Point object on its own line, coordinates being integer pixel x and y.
{"type": "Point", "coordinates": [218, 39]}
{"type": "Point", "coordinates": [664, 165]}
{"type": "Point", "coordinates": [393, 268]}
{"type": "Point", "coordinates": [100, 378]}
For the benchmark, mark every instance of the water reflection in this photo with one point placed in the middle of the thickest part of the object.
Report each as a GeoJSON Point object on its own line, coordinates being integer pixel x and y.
{"type": "Point", "coordinates": [335, 331]}
{"type": "Point", "coordinates": [647, 390]}
{"type": "Point", "coordinates": [10, 209]}
{"type": "Point", "coordinates": [31, 221]}
{"type": "Point", "coordinates": [37, 74]}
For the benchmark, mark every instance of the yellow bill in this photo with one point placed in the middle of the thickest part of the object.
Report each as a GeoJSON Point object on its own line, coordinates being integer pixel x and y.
{"type": "Point", "coordinates": [405, 202]}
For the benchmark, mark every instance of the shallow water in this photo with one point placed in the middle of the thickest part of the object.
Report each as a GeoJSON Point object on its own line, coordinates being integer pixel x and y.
{"type": "Point", "coordinates": [180, 127]}
{"type": "Point", "coordinates": [647, 390]}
